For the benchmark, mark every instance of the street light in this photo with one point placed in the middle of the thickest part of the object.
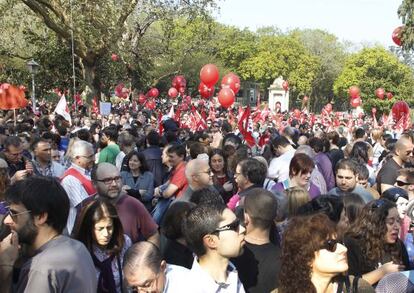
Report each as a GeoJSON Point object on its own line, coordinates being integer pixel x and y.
{"type": "Point", "coordinates": [33, 69]}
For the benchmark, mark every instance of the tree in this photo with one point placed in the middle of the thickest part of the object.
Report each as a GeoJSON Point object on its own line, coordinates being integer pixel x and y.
{"type": "Point", "coordinates": [405, 12]}
{"type": "Point", "coordinates": [101, 26]}
{"type": "Point", "coordinates": [281, 55]}
{"type": "Point", "coordinates": [370, 69]}
{"type": "Point", "coordinates": [331, 55]}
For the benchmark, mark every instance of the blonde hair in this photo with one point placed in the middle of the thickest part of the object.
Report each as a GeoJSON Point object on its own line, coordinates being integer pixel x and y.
{"type": "Point", "coordinates": [376, 134]}
{"type": "Point", "coordinates": [297, 197]}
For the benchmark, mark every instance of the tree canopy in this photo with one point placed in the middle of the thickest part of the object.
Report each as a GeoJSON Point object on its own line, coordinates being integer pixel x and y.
{"type": "Point", "coordinates": [374, 68]}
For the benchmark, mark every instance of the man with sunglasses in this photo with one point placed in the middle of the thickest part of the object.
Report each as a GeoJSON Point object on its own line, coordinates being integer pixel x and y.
{"type": "Point", "coordinates": [405, 180]}
{"type": "Point", "coordinates": [402, 155]}
{"type": "Point", "coordinates": [259, 264]}
{"type": "Point", "coordinates": [214, 234]}
{"type": "Point", "coordinates": [37, 214]}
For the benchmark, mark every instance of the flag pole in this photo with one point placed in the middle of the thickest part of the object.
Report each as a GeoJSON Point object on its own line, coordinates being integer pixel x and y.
{"type": "Point", "coordinates": [73, 53]}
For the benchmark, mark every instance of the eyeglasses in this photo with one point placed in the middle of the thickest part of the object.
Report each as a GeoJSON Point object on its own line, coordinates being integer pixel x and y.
{"type": "Point", "coordinates": [331, 244]}
{"type": "Point", "coordinates": [14, 215]}
{"type": "Point", "coordinates": [402, 183]}
{"type": "Point", "coordinates": [233, 226]}
{"type": "Point", "coordinates": [108, 181]}
{"type": "Point", "coordinates": [90, 157]}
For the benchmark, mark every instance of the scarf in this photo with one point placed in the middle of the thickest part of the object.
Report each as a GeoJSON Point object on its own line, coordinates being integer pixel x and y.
{"type": "Point", "coordinates": [106, 281]}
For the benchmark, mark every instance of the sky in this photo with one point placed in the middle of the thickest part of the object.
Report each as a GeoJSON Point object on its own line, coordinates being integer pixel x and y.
{"type": "Point", "coordinates": [365, 22]}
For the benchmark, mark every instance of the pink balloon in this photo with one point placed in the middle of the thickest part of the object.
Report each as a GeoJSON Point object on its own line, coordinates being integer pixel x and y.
{"type": "Point", "coordinates": [142, 99]}
{"type": "Point", "coordinates": [285, 85]}
{"type": "Point", "coordinates": [150, 105]}
{"type": "Point", "coordinates": [179, 81]}
{"type": "Point", "coordinates": [379, 92]}
{"type": "Point", "coordinates": [354, 92]}
{"type": "Point", "coordinates": [114, 57]}
{"type": "Point", "coordinates": [390, 96]}
{"type": "Point", "coordinates": [172, 93]}
{"type": "Point", "coordinates": [356, 102]}
{"type": "Point", "coordinates": [154, 92]}
{"type": "Point", "coordinates": [209, 74]}
{"type": "Point", "coordinates": [396, 35]}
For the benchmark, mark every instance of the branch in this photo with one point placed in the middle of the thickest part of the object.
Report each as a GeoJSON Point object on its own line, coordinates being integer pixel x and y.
{"type": "Point", "coordinates": [59, 29]}
{"type": "Point", "coordinates": [157, 80]}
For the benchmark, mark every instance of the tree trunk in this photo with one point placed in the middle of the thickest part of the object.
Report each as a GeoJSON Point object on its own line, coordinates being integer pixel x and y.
{"type": "Point", "coordinates": [92, 79]}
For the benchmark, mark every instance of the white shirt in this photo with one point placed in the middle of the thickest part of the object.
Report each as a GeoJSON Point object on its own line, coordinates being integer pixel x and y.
{"type": "Point", "coordinates": [76, 193]}
{"type": "Point", "coordinates": [118, 160]}
{"type": "Point", "coordinates": [175, 278]}
{"type": "Point", "coordinates": [279, 167]}
{"type": "Point", "coordinates": [201, 282]}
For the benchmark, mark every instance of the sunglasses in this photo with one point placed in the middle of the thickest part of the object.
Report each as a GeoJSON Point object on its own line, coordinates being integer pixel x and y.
{"type": "Point", "coordinates": [233, 226]}
{"type": "Point", "coordinates": [331, 244]}
{"type": "Point", "coordinates": [402, 183]}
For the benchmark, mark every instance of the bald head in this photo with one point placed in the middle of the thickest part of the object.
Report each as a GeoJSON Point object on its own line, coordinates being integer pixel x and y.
{"type": "Point", "coordinates": [142, 254]}
{"type": "Point", "coordinates": [404, 148]}
{"type": "Point", "coordinates": [198, 174]}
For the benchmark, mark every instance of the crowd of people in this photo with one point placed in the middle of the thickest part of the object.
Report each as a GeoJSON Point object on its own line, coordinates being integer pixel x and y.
{"type": "Point", "coordinates": [132, 203]}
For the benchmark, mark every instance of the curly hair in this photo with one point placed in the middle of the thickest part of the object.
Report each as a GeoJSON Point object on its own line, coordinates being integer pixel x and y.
{"type": "Point", "coordinates": [370, 227]}
{"type": "Point", "coordinates": [302, 238]}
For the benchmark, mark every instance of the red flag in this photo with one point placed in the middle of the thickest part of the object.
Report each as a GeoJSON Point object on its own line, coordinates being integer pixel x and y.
{"type": "Point", "coordinates": [244, 125]}
{"type": "Point", "coordinates": [95, 108]}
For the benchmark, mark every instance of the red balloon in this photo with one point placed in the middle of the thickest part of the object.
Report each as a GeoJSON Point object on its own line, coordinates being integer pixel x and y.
{"type": "Point", "coordinates": [178, 81]}
{"type": "Point", "coordinates": [356, 102]}
{"type": "Point", "coordinates": [328, 107]}
{"type": "Point", "coordinates": [172, 93]}
{"type": "Point", "coordinates": [187, 100]}
{"type": "Point", "coordinates": [181, 90]}
{"type": "Point", "coordinates": [226, 97]}
{"type": "Point", "coordinates": [142, 99]}
{"type": "Point", "coordinates": [209, 74]}
{"type": "Point", "coordinates": [154, 92]}
{"type": "Point", "coordinates": [121, 91]}
{"type": "Point", "coordinates": [150, 105]}
{"type": "Point", "coordinates": [205, 91]}
{"type": "Point", "coordinates": [305, 98]}
{"type": "Point", "coordinates": [379, 92]}
{"type": "Point", "coordinates": [232, 81]}
{"type": "Point", "coordinates": [396, 35]}
{"type": "Point", "coordinates": [390, 96]}
{"type": "Point", "coordinates": [285, 85]}
{"type": "Point", "coordinates": [354, 92]}
{"type": "Point", "coordinates": [374, 110]}
{"type": "Point", "coordinates": [114, 57]}
{"type": "Point", "coordinates": [400, 109]}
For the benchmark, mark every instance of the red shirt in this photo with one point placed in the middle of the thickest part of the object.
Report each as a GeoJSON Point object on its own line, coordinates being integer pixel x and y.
{"type": "Point", "coordinates": [178, 179]}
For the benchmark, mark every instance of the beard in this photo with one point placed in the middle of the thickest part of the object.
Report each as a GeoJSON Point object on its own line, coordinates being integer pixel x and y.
{"type": "Point", "coordinates": [28, 233]}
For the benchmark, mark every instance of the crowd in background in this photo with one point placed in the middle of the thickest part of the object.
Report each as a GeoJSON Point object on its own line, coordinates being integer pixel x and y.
{"type": "Point", "coordinates": [131, 202]}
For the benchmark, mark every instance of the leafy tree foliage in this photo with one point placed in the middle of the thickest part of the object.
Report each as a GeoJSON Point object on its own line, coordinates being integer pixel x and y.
{"type": "Point", "coordinates": [370, 69]}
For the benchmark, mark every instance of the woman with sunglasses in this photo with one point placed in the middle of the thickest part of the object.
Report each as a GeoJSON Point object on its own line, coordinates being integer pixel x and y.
{"type": "Point", "coordinates": [313, 260]}
{"type": "Point", "coordinates": [374, 248]}
{"type": "Point", "coordinates": [100, 230]}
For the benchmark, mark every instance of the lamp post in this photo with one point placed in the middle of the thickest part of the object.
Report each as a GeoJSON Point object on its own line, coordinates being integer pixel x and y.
{"type": "Point", "coordinates": [33, 69]}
